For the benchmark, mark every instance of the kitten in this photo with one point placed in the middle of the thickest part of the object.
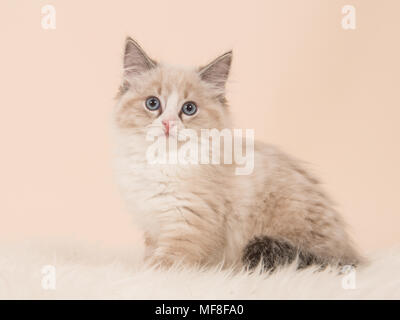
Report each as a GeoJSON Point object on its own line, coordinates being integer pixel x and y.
{"type": "Point", "coordinates": [206, 214]}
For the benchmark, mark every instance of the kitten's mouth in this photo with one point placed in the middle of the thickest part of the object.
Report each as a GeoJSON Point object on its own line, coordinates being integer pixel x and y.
{"type": "Point", "coordinates": [171, 131]}
{"type": "Point", "coordinates": [164, 134]}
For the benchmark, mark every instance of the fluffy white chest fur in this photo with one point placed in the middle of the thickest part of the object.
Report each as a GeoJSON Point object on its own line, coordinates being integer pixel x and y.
{"type": "Point", "coordinates": [183, 201]}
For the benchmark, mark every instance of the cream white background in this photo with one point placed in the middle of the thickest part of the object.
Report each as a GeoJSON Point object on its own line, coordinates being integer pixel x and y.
{"type": "Point", "coordinates": [324, 94]}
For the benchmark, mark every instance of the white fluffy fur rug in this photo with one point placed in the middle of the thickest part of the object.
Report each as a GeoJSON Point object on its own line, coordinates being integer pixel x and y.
{"type": "Point", "coordinates": [90, 273]}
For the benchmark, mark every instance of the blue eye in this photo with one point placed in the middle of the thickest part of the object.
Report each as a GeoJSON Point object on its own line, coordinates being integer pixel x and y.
{"type": "Point", "coordinates": [153, 103]}
{"type": "Point", "coordinates": [189, 108]}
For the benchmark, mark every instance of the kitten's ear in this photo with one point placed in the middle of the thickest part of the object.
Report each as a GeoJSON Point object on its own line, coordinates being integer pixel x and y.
{"type": "Point", "coordinates": [136, 60]}
{"type": "Point", "coordinates": [216, 73]}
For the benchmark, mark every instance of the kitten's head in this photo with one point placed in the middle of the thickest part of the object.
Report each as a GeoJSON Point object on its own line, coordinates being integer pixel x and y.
{"type": "Point", "coordinates": [158, 97]}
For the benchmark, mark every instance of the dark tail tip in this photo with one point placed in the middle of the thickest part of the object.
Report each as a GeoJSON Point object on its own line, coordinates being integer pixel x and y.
{"type": "Point", "coordinates": [272, 253]}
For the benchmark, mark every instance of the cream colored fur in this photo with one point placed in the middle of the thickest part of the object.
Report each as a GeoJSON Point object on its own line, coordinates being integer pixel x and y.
{"type": "Point", "coordinates": [205, 214]}
{"type": "Point", "coordinates": [84, 272]}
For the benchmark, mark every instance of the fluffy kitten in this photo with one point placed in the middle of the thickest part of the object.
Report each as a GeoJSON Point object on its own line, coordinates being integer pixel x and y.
{"type": "Point", "coordinates": [205, 214]}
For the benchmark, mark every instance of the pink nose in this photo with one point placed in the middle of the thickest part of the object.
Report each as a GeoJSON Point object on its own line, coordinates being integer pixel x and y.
{"type": "Point", "coordinates": [166, 126]}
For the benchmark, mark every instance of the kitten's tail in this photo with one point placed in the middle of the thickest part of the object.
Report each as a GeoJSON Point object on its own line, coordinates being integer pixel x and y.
{"type": "Point", "coordinates": [272, 253]}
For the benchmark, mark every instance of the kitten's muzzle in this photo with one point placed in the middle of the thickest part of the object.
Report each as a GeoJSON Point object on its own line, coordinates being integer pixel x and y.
{"type": "Point", "coordinates": [168, 125]}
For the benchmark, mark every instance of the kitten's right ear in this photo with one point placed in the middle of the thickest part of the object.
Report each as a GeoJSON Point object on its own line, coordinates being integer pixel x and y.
{"type": "Point", "coordinates": [136, 61]}
{"type": "Point", "coordinates": [216, 73]}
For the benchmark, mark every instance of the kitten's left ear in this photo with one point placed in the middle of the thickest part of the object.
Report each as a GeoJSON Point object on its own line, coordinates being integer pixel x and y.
{"type": "Point", "coordinates": [216, 73]}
